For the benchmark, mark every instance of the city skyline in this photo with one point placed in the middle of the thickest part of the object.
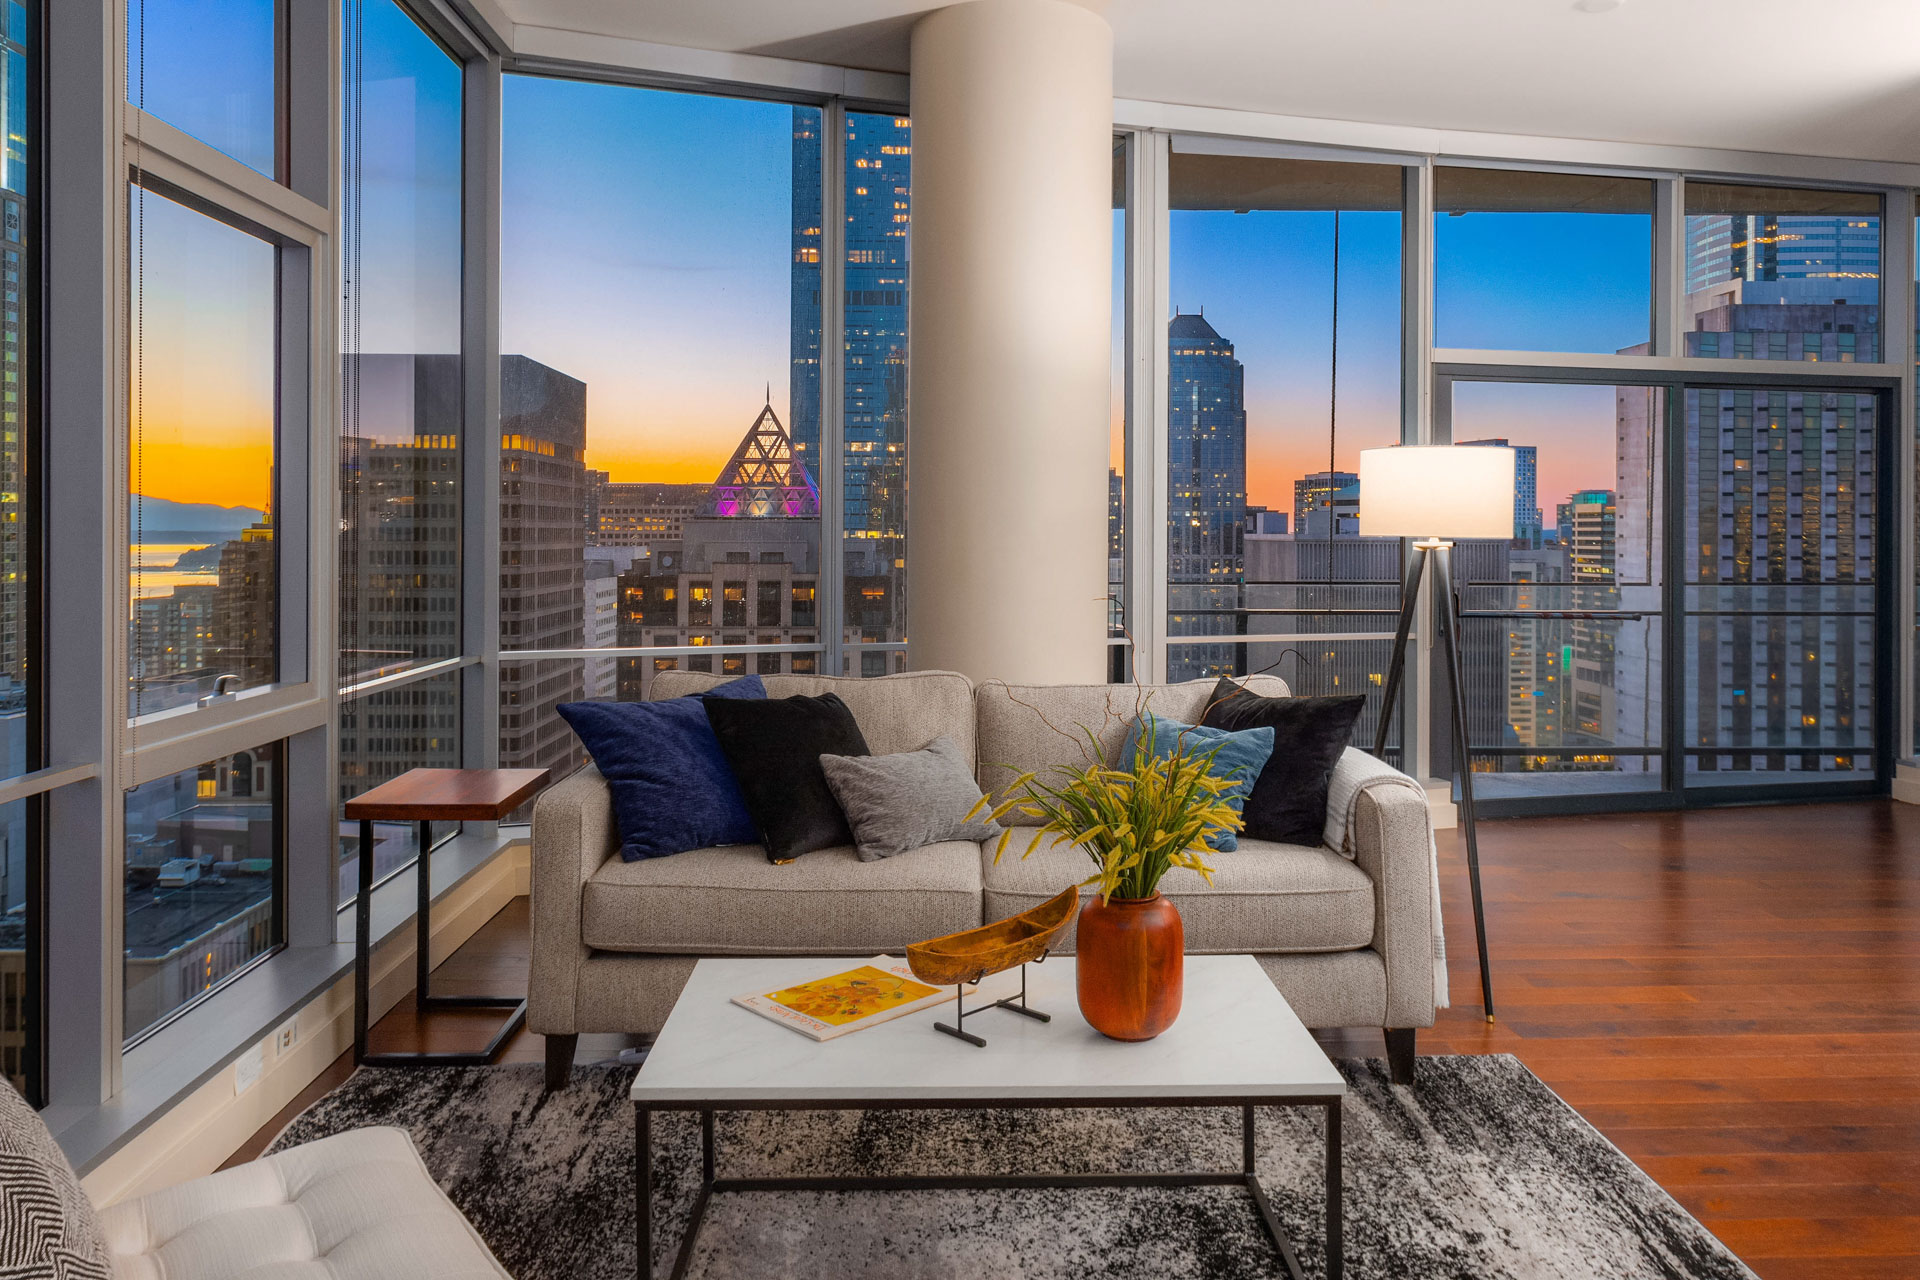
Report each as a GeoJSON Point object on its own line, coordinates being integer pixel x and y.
{"type": "Point", "coordinates": [631, 315]}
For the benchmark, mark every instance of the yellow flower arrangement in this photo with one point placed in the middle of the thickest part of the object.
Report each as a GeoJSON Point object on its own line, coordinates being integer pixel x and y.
{"type": "Point", "coordinates": [1134, 823]}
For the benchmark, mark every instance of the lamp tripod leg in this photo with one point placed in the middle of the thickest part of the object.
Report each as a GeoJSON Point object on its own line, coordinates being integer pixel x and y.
{"type": "Point", "coordinates": [1397, 665]}
{"type": "Point", "coordinates": [1463, 763]}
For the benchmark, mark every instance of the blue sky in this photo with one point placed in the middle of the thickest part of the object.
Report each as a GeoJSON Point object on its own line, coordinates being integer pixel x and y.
{"type": "Point", "coordinates": [208, 71]}
{"type": "Point", "coordinates": [646, 241]}
{"type": "Point", "coordinates": [647, 234]}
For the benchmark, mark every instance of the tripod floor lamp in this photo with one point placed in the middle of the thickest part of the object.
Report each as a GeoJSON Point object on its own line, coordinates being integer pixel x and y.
{"type": "Point", "coordinates": [1436, 494]}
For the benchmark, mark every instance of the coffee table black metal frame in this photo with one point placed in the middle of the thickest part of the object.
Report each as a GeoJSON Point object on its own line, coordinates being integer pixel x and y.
{"type": "Point", "coordinates": [711, 1183]}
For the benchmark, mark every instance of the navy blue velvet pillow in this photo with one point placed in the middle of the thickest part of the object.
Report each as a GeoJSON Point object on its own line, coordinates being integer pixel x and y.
{"type": "Point", "coordinates": [672, 788]}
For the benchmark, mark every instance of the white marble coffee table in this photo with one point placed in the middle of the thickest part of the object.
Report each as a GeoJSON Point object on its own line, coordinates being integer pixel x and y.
{"type": "Point", "coordinates": [1236, 1044]}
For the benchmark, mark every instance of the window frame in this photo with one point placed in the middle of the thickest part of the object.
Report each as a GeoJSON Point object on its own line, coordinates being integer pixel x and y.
{"type": "Point", "coordinates": [477, 612]}
{"type": "Point", "coordinates": [1425, 415]}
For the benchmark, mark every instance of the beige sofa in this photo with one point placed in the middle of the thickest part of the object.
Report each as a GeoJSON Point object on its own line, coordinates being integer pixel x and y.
{"type": "Point", "coordinates": [1349, 940]}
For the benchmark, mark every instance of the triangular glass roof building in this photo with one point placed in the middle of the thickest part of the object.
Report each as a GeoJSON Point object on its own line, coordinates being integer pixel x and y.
{"type": "Point", "coordinates": [763, 478]}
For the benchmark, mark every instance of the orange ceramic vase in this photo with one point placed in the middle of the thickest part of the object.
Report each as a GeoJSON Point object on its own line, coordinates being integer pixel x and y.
{"type": "Point", "coordinates": [1129, 962]}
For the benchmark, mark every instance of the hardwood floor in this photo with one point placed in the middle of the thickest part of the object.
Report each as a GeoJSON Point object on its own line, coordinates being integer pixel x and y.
{"type": "Point", "coordinates": [1732, 997]}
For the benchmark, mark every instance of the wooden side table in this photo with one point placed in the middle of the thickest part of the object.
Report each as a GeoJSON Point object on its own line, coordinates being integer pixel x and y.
{"type": "Point", "coordinates": [427, 796]}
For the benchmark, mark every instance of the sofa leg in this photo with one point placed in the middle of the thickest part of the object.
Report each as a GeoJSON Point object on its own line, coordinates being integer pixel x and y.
{"type": "Point", "coordinates": [1400, 1054]}
{"type": "Point", "coordinates": [560, 1060]}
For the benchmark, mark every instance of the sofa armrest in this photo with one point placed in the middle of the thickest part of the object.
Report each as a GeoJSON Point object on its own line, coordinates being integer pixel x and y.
{"type": "Point", "coordinates": [573, 834]}
{"type": "Point", "coordinates": [1392, 841]}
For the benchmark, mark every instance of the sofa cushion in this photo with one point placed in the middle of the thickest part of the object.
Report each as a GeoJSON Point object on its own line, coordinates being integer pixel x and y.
{"type": "Point", "coordinates": [895, 713]}
{"type": "Point", "coordinates": [356, 1206]}
{"type": "Point", "coordinates": [1289, 799]}
{"type": "Point", "coordinates": [730, 901]}
{"type": "Point", "coordinates": [775, 748]}
{"type": "Point", "coordinates": [1264, 896]}
{"type": "Point", "coordinates": [47, 1224]}
{"type": "Point", "coordinates": [909, 799]}
{"type": "Point", "coordinates": [1235, 757]}
{"type": "Point", "coordinates": [672, 787]}
{"type": "Point", "coordinates": [1042, 727]}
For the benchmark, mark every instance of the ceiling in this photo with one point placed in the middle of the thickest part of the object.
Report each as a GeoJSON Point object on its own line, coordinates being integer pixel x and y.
{"type": "Point", "coordinates": [1808, 77]}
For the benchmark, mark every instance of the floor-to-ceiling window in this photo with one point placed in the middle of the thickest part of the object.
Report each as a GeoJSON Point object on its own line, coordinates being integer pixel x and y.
{"type": "Point", "coordinates": [704, 394]}
{"type": "Point", "coordinates": [1283, 362]}
{"type": "Point", "coordinates": [22, 987]}
{"type": "Point", "coordinates": [403, 429]}
{"type": "Point", "coordinates": [662, 389]}
{"type": "Point", "coordinates": [222, 288]}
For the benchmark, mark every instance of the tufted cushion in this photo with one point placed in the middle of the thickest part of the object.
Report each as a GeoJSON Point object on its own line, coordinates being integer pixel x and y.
{"type": "Point", "coordinates": [1265, 897]}
{"type": "Point", "coordinates": [356, 1206]}
{"type": "Point", "coordinates": [47, 1226]}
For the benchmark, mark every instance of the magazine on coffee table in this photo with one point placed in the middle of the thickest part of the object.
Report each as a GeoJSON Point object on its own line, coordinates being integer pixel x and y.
{"type": "Point", "coordinates": [826, 1008]}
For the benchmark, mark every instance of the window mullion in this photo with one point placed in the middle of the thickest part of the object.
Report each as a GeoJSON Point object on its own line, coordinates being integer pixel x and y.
{"type": "Point", "coordinates": [833, 345]}
{"type": "Point", "coordinates": [1148, 300]}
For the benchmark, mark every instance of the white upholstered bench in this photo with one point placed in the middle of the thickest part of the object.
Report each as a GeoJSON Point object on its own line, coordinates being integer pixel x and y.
{"type": "Point", "coordinates": [356, 1206]}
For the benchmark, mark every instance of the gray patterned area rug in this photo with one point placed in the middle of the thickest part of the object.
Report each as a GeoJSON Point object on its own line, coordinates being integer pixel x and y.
{"type": "Point", "coordinates": [1478, 1172]}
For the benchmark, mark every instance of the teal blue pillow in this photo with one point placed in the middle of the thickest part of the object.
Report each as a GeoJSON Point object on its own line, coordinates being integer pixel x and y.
{"type": "Point", "coordinates": [1239, 755]}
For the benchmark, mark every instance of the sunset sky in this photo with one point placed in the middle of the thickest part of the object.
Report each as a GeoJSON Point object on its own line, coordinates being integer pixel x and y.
{"type": "Point", "coordinates": [646, 241]}
{"type": "Point", "coordinates": [208, 365]}
{"type": "Point", "coordinates": [206, 434]}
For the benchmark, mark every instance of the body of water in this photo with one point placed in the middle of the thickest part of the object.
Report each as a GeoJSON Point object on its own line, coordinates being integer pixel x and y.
{"type": "Point", "coordinates": [153, 572]}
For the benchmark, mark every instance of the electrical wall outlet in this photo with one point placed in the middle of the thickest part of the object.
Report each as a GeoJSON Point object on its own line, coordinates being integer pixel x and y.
{"type": "Point", "coordinates": [248, 1068]}
{"type": "Point", "coordinates": [287, 1036]}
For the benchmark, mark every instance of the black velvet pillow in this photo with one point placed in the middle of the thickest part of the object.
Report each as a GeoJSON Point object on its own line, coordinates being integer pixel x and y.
{"type": "Point", "coordinates": [1289, 799]}
{"type": "Point", "coordinates": [774, 748]}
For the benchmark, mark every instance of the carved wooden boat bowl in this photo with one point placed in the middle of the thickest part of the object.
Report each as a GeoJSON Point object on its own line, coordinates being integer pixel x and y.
{"type": "Point", "coordinates": [972, 953]}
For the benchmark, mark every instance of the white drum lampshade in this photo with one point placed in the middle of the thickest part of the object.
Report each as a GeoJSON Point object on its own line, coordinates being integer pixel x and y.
{"type": "Point", "coordinates": [1436, 491]}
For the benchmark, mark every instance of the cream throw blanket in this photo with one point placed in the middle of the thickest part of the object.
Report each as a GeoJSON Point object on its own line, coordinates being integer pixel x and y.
{"type": "Point", "coordinates": [1356, 772]}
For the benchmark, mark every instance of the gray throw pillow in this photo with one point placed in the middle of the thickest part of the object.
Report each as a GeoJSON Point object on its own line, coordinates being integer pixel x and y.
{"type": "Point", "coordinates": [906, 800]}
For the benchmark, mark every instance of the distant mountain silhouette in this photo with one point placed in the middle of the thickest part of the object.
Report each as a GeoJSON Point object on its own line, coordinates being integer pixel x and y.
{"type": "Point", "coordinates": [159, 515]}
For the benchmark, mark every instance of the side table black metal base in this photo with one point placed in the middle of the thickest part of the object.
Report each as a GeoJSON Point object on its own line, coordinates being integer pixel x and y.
{"type": "Point", "coordinates": [423, 997]}
{"type": "Point", "coordinates": [711, 1183]}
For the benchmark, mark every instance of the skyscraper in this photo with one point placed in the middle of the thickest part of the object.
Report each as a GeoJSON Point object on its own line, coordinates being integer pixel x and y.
{"type": "Point", "coordinates": [1318, 490]}
{"type": "Point", "coordinates": [1206, 494]}
{"type": "Point", "coordinates": [543, 479]}
{"type": "Point", "coordinates": [1784, 287]}
{"type": "Point", "coordinates": [1781, 496]}
{"type": "Point", "coordinates": [877, 207]}
{"type": "Point", "coordinates": [1840, 251]}
{"type": "Point", "coordinates": [1591, 568]}
{"type": "Point", "coordinates": [1207, 452]}
{"type": "Point", "coordinates": [745, 569]}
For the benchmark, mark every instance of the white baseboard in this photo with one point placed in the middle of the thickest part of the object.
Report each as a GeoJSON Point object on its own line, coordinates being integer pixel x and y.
{"type": "Point", "coordinates": [198, 1135]}
{"type": "Point", "coordinates": [1440, 803]}
{"type": "Point", "coordinates": [1906, 784]}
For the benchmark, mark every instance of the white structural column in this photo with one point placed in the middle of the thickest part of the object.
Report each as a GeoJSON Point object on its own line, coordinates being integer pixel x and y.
{"type": "Point", "coordinates": [1011, 334]}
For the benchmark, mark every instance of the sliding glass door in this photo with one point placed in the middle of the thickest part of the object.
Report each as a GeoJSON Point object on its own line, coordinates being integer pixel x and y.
{"type": "Point", "coordinates": [1562, 622]}
{"type": "Point", "coordinates": [1687, 611]}
{"type": "Point", "coordinates": [1780, 645]}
